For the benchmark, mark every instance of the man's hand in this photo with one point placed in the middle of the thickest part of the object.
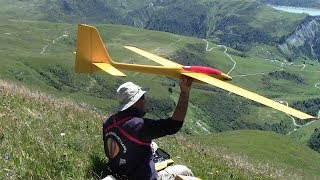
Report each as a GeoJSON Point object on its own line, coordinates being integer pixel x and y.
{"type": "Point", "coordinates": [185, 83]}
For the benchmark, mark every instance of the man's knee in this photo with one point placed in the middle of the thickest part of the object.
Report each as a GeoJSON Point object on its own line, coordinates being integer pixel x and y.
{"type": "Point", "coordinates": [171, 171]}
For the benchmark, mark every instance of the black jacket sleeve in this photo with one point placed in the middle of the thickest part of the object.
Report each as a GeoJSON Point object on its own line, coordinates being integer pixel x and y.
{"type": "Point", "coordinates": [152, 129]}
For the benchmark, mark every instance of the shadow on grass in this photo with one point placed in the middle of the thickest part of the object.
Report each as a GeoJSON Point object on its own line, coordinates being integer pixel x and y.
{"type": "Point", "coordinates": [98, 169]}
{"type": "Point", "coordinates": [1, 137]}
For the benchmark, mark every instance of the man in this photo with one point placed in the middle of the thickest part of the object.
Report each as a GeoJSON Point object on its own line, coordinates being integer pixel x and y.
{"type": "Point", "coordinates": [127, 135]}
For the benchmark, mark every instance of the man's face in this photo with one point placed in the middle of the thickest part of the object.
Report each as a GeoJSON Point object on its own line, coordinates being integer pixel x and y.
{"type": "Point", "coordinates": [140, 104]}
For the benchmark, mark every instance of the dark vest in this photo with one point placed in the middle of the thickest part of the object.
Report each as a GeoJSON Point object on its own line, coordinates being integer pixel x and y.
{"type": "Point", "coordinates": [128, 156]}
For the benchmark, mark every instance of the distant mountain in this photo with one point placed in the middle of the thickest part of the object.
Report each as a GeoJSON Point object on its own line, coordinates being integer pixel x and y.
{"type": "Point", "coordinates": [295, 3]}
{"type": "Point", "coordinates": [238, 24]}
{"type": "Point", "coordinates": [304, 41]}
{"type": "Point", "coordinates": [96, 11]}
{"type": "Point", "coordinates": [230, 22]}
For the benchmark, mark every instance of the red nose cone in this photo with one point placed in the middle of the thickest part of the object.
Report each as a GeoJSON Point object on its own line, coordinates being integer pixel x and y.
{"type": "Point", "coordinates": [202, 69]}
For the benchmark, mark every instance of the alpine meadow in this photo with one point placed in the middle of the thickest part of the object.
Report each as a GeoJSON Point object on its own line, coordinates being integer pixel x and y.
{"type": "Point", "coordinates": [51, 117]}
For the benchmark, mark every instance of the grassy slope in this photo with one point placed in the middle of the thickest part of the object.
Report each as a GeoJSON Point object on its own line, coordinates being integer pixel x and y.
{"type": "Point", "coordinates": [279, 152]}
{"type": "Point", "coordinates": [45, 137]}
{"type": "Point", "coordinates": [275, 22]}
{"type": "Point", "coordinates": [31, 142]}
{"type": "Point", "coordinates": [19, 9]}
{"type": "Point", "coordinates": [303, 134]}
{"type": "Point", "coordinates": [69, 10]}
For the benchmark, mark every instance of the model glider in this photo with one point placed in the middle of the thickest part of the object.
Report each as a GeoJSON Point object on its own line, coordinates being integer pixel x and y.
{"type": "Point", "coordinates": [92, 56]}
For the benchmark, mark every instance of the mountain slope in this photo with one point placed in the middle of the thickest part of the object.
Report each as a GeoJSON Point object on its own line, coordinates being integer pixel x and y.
{"type": "Point", "coordinates": [303, 134]}
{"type": "Point", "coordinates": [110, 11]}
{"type": "Point", "coordinates": [304, 41]}
{"type": "Point", "coordinates": [39, 55]}
{"type": "Point", "coordinates": [43, 136]}
{"type": "Point", "coordinates": [239, 24]}
{"type": "Point", "coordinates": [267, 147]}
{"type": "Point", "coordinates": [233, 22]}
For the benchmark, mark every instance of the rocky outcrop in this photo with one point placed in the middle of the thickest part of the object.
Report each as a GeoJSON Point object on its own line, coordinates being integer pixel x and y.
{"type": "Point", "coordinates": [304, 41]}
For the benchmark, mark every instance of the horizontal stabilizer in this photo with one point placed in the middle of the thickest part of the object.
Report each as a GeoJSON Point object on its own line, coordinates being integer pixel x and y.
{"type": "Point", "coordinates": [109, 69]}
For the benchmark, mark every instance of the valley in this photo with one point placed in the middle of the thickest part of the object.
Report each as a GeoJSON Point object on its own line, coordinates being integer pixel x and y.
{"type": "Point", "coordinates": [218, 56]}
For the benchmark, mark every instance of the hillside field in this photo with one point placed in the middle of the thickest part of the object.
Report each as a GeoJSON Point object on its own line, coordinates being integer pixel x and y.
{"type": "Point", "coordinates": [45, 137]}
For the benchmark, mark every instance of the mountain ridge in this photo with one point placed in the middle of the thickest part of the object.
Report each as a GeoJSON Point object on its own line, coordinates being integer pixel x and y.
{"type": "Point", "coordinates": [225, 22]}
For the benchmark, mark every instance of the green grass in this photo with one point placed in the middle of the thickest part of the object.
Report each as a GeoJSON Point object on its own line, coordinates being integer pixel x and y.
{"type": "Point", "coordinates": [303, 134]}
{"type": "Point", "coordinates": [280, 153]}
{"type": "Point", "coordinates": [45, 137]}
{"type": "Point", "coordinates": [275, 22]}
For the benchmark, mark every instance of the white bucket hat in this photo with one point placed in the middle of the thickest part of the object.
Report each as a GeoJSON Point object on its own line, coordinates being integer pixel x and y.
{"type": "Point", "coordinates": [128, 94]}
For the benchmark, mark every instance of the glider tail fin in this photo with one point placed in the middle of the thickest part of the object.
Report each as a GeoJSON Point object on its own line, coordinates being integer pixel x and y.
{"type": "Point", "coordinates": [91, 54]}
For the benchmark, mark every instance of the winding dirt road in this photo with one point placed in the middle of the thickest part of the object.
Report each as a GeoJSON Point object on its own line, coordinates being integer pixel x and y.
{"type": "Point", "coordinates": [54, 41]}
{"type": "Point", "coordinates": [225, 52]}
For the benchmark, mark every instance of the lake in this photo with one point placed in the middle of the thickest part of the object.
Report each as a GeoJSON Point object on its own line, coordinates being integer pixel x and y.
{"type": "Point", "coordinates": [310, 11]}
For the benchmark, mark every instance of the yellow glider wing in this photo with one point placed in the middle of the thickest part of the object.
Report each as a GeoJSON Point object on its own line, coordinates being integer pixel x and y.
{"type": "Point", "coordinates": [153, 57]}
{"type": "Point", "coordinates": [250, 95]}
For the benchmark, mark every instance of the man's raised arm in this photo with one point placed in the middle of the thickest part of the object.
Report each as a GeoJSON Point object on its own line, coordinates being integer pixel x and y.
{"type": "Point", "coordinates": [182, 105]}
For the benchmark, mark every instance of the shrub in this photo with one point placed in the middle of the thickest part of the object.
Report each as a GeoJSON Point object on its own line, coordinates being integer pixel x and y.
{"type": "Point", "coordinates": [314, 141]}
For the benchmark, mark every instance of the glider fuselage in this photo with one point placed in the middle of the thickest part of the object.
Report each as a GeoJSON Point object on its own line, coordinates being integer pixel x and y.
{"type": "Point", "coordinates": [172, 71]}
